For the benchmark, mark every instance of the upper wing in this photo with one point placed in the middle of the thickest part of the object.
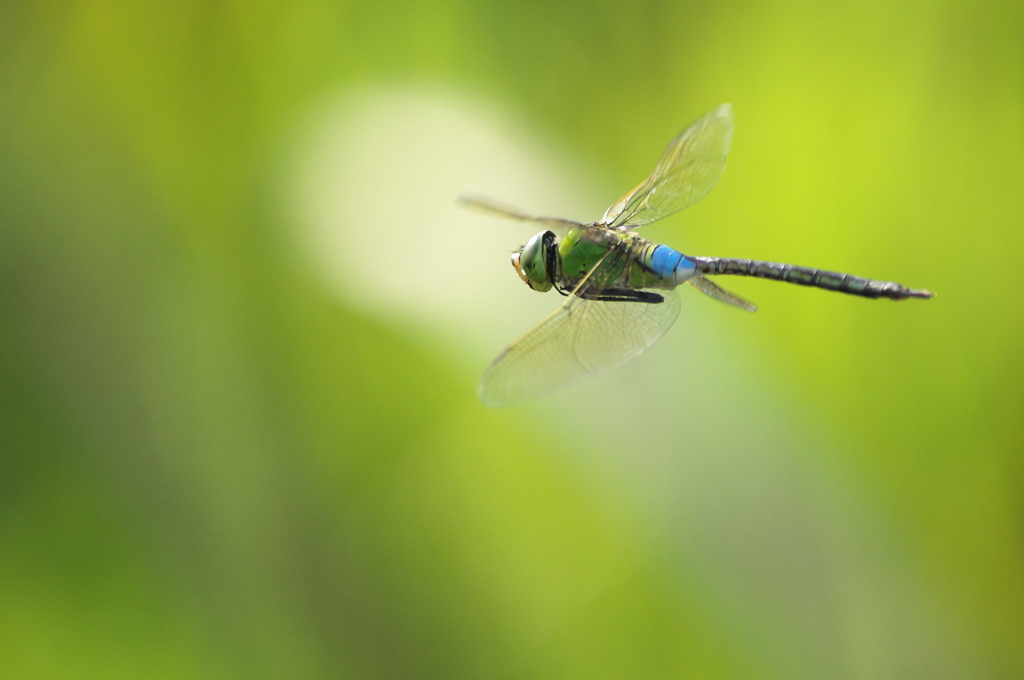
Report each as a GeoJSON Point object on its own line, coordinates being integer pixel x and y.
{"type": "Point", "coordinates": [686, 172]}
{"type": "Point", "coordinates": [580, 339]}
{"type": "Point", "coordinates": [495, 208]}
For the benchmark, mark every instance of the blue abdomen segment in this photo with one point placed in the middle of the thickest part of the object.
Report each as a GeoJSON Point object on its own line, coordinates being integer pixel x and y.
{"type": "Point", "coordinates": [670, 265]}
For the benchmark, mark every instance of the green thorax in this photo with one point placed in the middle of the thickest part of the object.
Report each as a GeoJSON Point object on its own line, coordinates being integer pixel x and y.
{"type": "Point", "coordinates": [584, 247]}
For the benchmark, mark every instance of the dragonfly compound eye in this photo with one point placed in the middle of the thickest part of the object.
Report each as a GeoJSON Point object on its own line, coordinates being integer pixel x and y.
{"type": "Point", "coordinates": [532, 263]}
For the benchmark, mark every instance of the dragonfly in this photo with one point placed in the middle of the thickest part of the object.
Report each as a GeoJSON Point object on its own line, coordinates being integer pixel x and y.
{"type": "Point", "coordinates": [620, 287]}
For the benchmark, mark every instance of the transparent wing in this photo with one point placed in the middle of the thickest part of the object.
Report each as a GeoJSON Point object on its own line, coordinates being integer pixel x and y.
{"type": "Point", "coordinates": [686, 172]}
{"type": "Point", "coordinates": [580, 339]}
{"type": "Point", "coordinates": [705, 286]}
{"type": "Point", "coordinates": [493, 207]}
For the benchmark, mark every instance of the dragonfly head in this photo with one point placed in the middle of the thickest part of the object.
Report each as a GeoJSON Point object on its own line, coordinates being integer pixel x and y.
{"type": "Point", "coordinates": [535, 261]}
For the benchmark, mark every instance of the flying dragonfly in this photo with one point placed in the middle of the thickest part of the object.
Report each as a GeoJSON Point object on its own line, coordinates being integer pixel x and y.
{"type": "Point", "coordinates": [619, 286]}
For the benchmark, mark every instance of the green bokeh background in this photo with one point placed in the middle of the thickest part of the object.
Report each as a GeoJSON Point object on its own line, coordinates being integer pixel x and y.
{"type": "Point", "coordinates": [211, 466]}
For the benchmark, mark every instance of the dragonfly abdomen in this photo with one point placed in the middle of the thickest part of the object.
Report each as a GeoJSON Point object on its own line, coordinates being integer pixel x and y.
{"type": "Point", "coordinates": [807, 276]}
{"type": "Point", "coordinates": [669, 264]}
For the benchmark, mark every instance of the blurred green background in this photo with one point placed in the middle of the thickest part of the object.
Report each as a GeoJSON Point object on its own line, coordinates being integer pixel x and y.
{"type": "Point", "coordinates": [241, 325]}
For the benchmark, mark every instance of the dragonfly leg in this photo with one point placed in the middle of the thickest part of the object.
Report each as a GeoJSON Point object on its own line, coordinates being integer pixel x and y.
{"type": "Point", "coordinates": [625, 295]}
